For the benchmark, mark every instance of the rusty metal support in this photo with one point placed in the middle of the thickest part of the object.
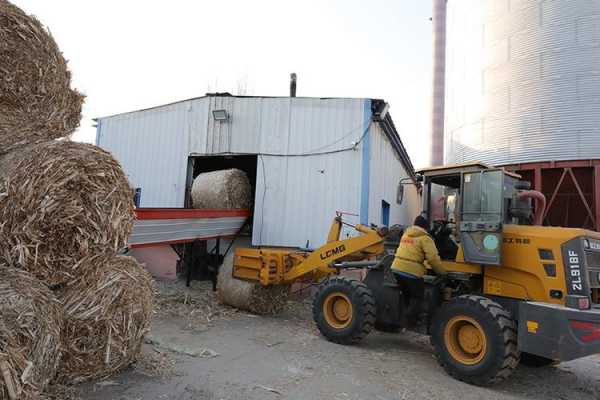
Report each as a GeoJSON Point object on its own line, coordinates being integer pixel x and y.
{"type": "Point", "coordinates": [585, 203]}
{"type": "Point", "coordinates": [543, 176]}
{"type": "Point", "coordinates": [549, 206]}
{"type": "Point", "coordinates": [537, 180]}
{"type": "Point", "coordinates": [597, 194]}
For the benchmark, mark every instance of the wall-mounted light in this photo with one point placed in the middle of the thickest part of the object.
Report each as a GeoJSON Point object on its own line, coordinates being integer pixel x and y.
{"type": "Point", "coordinates": [220, 115]}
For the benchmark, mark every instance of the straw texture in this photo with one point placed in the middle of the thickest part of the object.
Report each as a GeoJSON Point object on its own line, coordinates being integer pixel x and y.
{"type": "Point", "coordinates": [249, 296]}
{"type": "Point", "coordinates": [107, 314]}
{"type": "Point", "coordinates": [36, 99]}
{"type": "Point", "coordinates": [61, 203]}
{"type": "Point", "coordinates": [30, 328]}
{"type": "Point", "coordinates": [224, 189]}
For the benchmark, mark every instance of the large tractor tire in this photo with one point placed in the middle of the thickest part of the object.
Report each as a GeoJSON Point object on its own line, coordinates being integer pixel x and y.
{"type": "Point", "coordinates": [475, 340]}
{"type": "Point", "coordinates": [344, 310]}
{"type": "Point", "coordinates": [535, 361]}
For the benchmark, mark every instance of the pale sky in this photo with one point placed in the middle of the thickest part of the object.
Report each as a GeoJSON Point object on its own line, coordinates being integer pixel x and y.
{"type": "Point", "coordinates": [132, 54]}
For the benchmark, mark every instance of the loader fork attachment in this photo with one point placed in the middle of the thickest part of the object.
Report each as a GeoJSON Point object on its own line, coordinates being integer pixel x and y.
{"type": "Point", "coordinates": [273, 266]}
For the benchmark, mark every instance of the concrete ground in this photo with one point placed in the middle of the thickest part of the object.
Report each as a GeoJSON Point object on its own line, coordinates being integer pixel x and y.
{"type": "Point", "coordinates": [284, 357]}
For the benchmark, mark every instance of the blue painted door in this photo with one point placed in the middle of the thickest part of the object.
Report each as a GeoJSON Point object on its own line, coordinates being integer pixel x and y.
{"type": "Point", "coordinates": [385, 213]}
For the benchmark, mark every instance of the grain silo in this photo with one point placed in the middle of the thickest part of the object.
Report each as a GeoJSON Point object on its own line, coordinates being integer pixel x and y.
{"type": "Point", "coordinates": [523, 91]}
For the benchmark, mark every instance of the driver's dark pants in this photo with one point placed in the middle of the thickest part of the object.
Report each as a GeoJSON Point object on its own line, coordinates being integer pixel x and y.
{"type": "Point", "coordinates": [413, 290]}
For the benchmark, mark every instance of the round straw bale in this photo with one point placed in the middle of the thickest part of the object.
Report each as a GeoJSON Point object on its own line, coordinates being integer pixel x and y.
{"type": "Point", "coordinates": [36, 99]}
{"type": "Point", "coordinates": [224, 189]}
{"type": "Point", "coordinates": [107, 314]}
{"type": "Point", "coordinates": [60, 203]}
{"type": "Point", "coordinates": [30, 328]}
{"type": "Point", "coordinates": [247, 295]}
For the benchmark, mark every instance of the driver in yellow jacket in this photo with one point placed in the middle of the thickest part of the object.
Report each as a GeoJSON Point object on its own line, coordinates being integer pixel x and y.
{"type": "Point", "coordinates": [416, 247]}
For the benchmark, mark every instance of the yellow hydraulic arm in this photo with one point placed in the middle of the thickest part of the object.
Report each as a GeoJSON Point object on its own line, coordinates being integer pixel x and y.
{"type": "Point", "coordinates": [273, 266]}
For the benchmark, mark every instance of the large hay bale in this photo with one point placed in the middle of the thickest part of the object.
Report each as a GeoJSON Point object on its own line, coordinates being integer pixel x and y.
{"type": "Point", "coordinates": [36, 99]}
{"type": "Point", "coordinates": [224, 189]}
{"type": "Point", "coordinates": [249, 296]}
{"type": "Point", "coordinates": [62, 202]}
{"type": "Point", "coordinates": [30, 328]}
{"type": "Point", "coordinates": [107, 314]}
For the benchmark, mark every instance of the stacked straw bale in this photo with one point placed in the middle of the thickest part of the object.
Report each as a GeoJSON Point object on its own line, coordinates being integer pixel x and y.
{"type": "Point", "coordinates": [61, 203]}
{"type": "Point", "coordinates": [223, 189]}
{"type": "Point", "coordinates": [66, 209]}
{"type": "Point", "coordinates": [36, 99]}
{"type": "Point", "coordinates": [107, 313]}
{"type": "Point", "coordinates": [30, 328]}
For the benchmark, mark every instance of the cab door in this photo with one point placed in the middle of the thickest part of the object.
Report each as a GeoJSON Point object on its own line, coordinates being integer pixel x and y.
{"type": "Point", "coordinates": [482, 215]}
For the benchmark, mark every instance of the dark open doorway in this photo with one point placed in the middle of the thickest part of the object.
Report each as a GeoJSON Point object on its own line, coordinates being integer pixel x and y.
{"type": "Point", "coordinates": [200, 164]}
{"type": "Point", "coordinates": [201, 259]}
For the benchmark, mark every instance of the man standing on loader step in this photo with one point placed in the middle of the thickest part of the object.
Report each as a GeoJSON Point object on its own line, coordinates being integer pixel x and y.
{"type": "Point", "coordinates": [416, 247]}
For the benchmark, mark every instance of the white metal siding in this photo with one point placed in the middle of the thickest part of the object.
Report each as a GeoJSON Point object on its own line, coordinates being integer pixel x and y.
{"type": "Point", "coordinates": [279, 125]}
{"type": "Point", "coordinates": [386, 172]}
{"type": "Point", "coordinates": [152, 146]}
{"type": "Point", "coordinates": [296, 196]}
{"type": "Point", "coordinates": [523, 82]}
{"type": "Point", "coordinates": [302, 193]}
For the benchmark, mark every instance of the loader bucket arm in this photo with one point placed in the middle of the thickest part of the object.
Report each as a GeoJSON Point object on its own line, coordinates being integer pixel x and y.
{"type": "Point", "coordinates": [274, 266]}
{"type": "Point", "coordinates": [370, 244]}
{"type": "Point", "coordinates": [335, 230]}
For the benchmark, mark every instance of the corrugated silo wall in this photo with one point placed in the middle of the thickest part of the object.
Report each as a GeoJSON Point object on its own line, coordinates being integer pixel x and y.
{"type": "Point", "coordinates": [523, 87]}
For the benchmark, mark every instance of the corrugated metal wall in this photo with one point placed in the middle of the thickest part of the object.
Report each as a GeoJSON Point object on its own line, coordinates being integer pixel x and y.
{"type": "Point", "coordinates": [523, 82]}
{"type": "Point", "coordinates": [152, 146]}
{"type": "Point", "coordinates": [385, 176]}
{"type": "Point", "coordinates": [296, 194]}
{"type": "Point", "coordinates": [302, 193]}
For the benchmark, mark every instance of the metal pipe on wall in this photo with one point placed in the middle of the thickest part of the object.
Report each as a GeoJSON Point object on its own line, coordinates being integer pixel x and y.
{"type": "Point", "coordinates": [439, 82]}
{"type": "Point", "coordinates": [293, 80]}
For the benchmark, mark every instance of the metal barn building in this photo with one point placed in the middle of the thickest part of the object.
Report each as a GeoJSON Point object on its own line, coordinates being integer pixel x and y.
{"type": "Point", "coordinates": [306, 158]}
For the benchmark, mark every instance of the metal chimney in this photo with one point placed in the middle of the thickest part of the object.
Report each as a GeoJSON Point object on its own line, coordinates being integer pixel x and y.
{"type": "Point", "coordinates": [439, 82]}
{"type": "Point", "coordinates": [293, 84]}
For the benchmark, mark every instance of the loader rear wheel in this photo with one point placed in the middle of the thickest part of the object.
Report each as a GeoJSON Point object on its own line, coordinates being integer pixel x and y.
{"type": "Point", "coordinates": [475, 340]}
{"type": "Point", "coordinates": [344, 310]}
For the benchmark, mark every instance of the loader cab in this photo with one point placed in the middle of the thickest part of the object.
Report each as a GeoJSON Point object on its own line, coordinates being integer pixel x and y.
{"type": "Point", "coordinates": [468, 205]}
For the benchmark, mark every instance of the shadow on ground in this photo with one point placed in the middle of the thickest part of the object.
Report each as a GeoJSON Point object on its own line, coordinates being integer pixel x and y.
{"type": "Point", "coordinates": [284, 357]}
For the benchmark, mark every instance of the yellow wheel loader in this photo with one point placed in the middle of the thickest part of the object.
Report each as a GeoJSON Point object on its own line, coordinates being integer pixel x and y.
{"type": "Point", "coordinates": [516, 291]}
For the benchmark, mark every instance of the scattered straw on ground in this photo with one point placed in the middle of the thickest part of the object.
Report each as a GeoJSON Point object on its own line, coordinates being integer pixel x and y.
{"type": "Point", "coordinates": [62, 202]}
{"type": "Point", "coordinates": [36, 99]}
{"type": "Point", "coordinates": [61, 392]}
{"type": "Point", "coordinates": [197, 304]}
{"type": "Point", "coordinates": [155, 363]}
{"type": "Point", "coordinates": [107, 314]}
{"type": "Point", "coordinates": [30, 327]}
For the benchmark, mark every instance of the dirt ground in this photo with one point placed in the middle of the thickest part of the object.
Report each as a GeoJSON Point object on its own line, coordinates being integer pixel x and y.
{"type": "Point", "coordinates": [198, 350]}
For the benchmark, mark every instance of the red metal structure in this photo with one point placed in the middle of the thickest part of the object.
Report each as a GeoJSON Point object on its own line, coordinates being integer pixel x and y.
{"type": "Point", "coordinates": [571, 187]}
{"type": "Point", "coordinates": [167, 226]}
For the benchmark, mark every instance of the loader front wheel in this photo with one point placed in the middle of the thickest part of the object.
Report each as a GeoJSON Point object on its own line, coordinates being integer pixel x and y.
{"type": "Point", "coordinates": [344, 310]}
{"type": "Point", "coordinates": [475, 340]}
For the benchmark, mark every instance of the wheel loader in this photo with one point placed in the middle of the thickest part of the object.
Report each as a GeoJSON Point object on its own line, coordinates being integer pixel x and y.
{"type": "Point", "coordinates": [516, 291]}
